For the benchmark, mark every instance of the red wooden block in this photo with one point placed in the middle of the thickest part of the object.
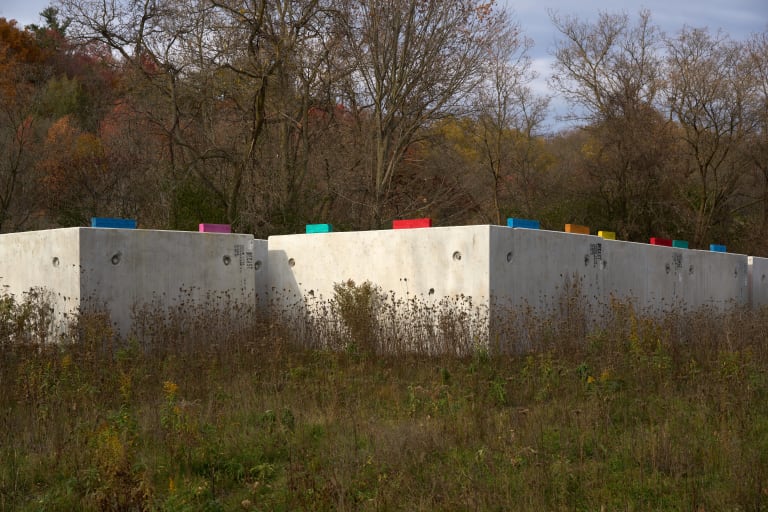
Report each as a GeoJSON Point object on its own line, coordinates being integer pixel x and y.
{"type": "Point", "coordinates": [661, 241]}
{"type": "Point", "coordinates": [412, 223]}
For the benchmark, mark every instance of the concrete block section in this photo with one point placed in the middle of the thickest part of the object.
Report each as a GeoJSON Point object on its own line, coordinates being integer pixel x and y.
{"type": "Point", "coordinates": [48, 261]}
{"type": "Point", "coordinates": [502, 272]}
{"type": "Point", "coordinates": [758, 282]}
{"type": "Point", "coordinates": [169, 269]}
{"type": "Point", "coordinates": [537, 270]}
{"type": "Point", "coordinates": [428, 264]}
{"type": "Point", "coordinates": [659, 278]}
{"type": "Point", "coordinates": [426, 279]}
{"type": "Point", "coordinates": [120, 270]}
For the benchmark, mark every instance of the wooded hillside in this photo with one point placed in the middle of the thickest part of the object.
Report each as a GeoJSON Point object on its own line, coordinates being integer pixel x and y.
{"type": "Point", "coordinates": [270, 114]}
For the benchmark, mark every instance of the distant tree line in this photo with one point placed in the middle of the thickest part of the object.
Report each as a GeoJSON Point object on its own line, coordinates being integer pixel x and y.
{"type": "Point", "coordinates": [270, 114]}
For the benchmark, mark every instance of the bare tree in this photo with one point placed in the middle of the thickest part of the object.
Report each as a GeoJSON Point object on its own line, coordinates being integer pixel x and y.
{"type": "Point", "coordinates": [607, 66]}
{"type": "Point", "coordinates": [509, 117]}
{"type": "Point", "coordinates": [756, 144]}
{"type": "Point", "coordinates": [414, 61]}
{"type": "Point", "coordinates": [207, 72]}
{"type": "Point", "coordinates": [709, 83]}
{"type": "Point", "coordinates": [611, 70]}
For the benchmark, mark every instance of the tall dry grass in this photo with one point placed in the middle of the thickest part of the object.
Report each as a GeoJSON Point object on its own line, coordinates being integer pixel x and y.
{"type": "Point", "coordinates": [202, 412]}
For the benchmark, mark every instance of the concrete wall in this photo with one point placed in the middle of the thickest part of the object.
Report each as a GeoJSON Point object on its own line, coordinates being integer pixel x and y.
{"type": "Point", "coordinates": [47, 260]}
{"type": "Point", "coordinates": [537, 268]}
{"type": "Point", "coordinates": [436, 283]}
{"type": "Point", "coordinates": [477, 269]}
{"type": "Point", "coordinates": [658, 278]}
{"type": "Point", "coordinates": [758, 282]}
{"type": "Point", "coordinates": [120, 269]}
{"type": "Point", "coordinates": [426, 263]}
{"type": "Point", "coordinates": [503, 269]}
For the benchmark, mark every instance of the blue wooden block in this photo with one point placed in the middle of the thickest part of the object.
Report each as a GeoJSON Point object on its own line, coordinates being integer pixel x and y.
{"type": "Point", "coordinates": [717, 248]}
{"type": "Point", "coordinates": [681, 244]}
{"type": "Point", "coordinates": [522, 223]}
{"type": "Point", "coordinates": [319, 228]}
{"type": "Point", "coordinates": [106, 222]}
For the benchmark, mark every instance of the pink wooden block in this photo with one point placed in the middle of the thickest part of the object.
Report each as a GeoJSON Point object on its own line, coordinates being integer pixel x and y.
{"type": "Point", "coordinates": [215, 228]}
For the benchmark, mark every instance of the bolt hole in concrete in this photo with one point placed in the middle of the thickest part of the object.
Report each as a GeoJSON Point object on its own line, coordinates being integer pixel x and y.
{"type": "Point", "coordinates": [257, 265]}
{"type": "Point", "coordinates": [668, 268]}
{"type": "Point", "coordinates": [431, 291]}
{"type": "Point", "coordinates": [55, 261]}
{"type": "Point", "coordinates": [509, 256]}
{"type": "Point", "coordinates": [586, 260]}
{"type": "Point", "coordinates": [457, 256]}
{"type": "Point", "coordinates": [291, 262]}
{"type": "Point", "coordinates": [116, 258]}
{"type": "Point", "coordinates": [226, 259]}
{"type": "Point", "coordinates": [690, 270]}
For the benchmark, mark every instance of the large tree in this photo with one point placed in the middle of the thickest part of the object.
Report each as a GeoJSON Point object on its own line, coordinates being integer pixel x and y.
{"type": "Point", "coordinates": [509, 119]}
{"type": "Point", "coordinates": [210, 74]}
{"type": "Point", "coordinates": [414, 61]}
{"type": "Point", "coordinates": [710, 82]}
{"type": "Point", "coordinates": [23, 70]}
{"type": "Point", "coordinates": [610, 70]}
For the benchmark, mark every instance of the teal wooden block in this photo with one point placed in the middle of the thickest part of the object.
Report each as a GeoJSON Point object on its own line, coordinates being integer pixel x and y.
{"type": "Point", "coordinates": [106, 222]}
{"type": "Point", "coordinates": [319, 228]}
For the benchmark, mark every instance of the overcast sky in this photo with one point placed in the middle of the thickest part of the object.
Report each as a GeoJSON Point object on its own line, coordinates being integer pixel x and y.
{"type": "Point", "coordinates": [738, 18]}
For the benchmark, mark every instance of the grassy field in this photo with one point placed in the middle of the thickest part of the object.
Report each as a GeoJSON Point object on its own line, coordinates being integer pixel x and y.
{"type": "Point", "coordinates": [641, 414]}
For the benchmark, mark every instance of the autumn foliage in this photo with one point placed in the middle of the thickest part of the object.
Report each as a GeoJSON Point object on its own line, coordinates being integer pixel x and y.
{"type": "Point", "coordinates": [272, 114]}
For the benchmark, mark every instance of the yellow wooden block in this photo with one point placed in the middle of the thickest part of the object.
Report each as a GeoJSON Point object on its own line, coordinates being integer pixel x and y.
{"type": "Point", "coordinates": [608, 235]}
{"type": "Point", "coordinates": [575, 228]}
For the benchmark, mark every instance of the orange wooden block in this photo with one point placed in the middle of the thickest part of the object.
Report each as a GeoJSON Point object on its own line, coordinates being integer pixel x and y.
{"type": "Point", "coordinates": [575, 228]}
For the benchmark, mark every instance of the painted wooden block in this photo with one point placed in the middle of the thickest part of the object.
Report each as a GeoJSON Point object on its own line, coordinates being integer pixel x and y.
{"type": "Point", "coordinates": [681, 244]}
{"type": "Point", "coordinates": [523, 223]}
{"type": "Point", "coordinates": [575, 228]}
{"type": "Point", "coordinates": [319, 228]}
{"type": "Point", "coordinates": [412, 223]}
{"type": "Point", "coordinates": [215, 228]}
{"type": "Point", "coordinates": [717, 248]}
{"type": "Point", "coordinates": [106, 222]}
{"type": "Point", "coordinates": [608, 235]}
{"type": "Point", "coordinates": [666, 242]}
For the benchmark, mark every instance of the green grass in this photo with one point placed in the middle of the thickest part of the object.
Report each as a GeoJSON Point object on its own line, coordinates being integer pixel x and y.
{"type": "Point", "coordinates": [643, 414]}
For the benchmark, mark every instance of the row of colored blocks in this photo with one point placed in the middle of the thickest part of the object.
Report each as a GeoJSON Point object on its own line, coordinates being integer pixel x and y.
{"type": "Point", "coordinates": [608, 235]}
{"type": "Point", "coordinates": [107, 222]}
{"type": "Point", "coordinates": [513, 222]}
{"type": "Point", "coordinates": [396, 224]}
{"type": "Point", "coordinates": [683, 244]}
